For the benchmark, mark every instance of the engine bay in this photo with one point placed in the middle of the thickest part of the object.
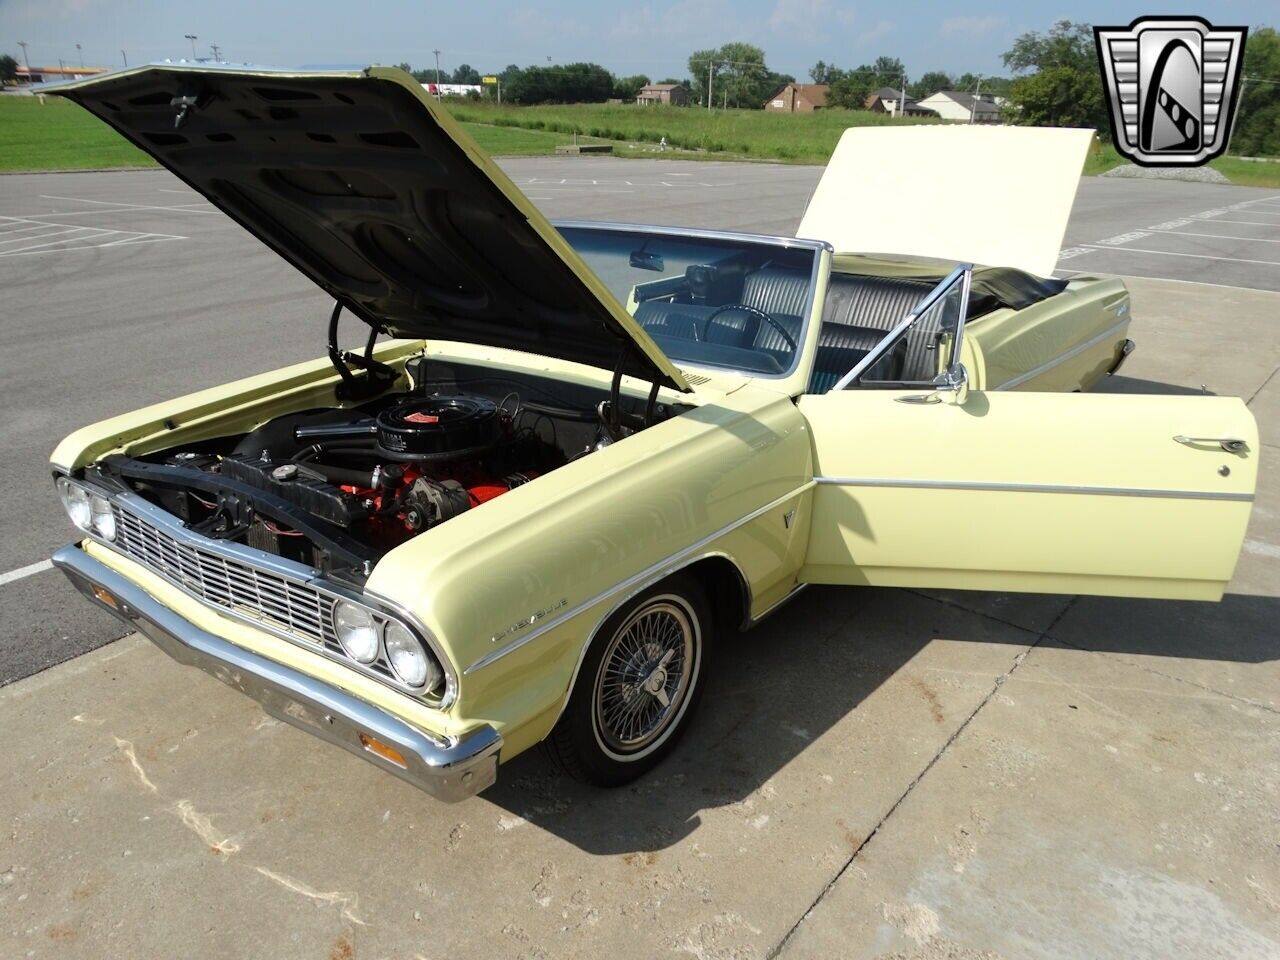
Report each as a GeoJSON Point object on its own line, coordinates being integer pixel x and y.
{"type": "Point", "coordinates": [336, 488]}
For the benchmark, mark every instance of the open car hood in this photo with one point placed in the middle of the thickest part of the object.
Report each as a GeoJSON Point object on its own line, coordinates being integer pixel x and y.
{"type": "Point", "coordinates": [371, 189]}
{"type": "Point", "coordinates": [998, 196]}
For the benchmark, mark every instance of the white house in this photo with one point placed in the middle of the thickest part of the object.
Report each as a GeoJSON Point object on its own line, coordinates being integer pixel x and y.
{"type": "Point", "coordinates": [968, 107]}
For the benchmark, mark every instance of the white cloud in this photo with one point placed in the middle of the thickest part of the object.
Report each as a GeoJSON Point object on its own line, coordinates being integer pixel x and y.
{"type": "Point", "coordinates": [808, 17]}
{"type": "Point", "coordinates": [970, 26]}
{"type": "Point", "coordinates": [874, 33]}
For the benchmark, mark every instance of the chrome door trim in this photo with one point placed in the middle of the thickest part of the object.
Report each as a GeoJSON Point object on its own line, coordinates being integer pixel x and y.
{"type": "Point", "coordinates": [998, 487]}
{"type": "Point", "coordinates": [1070, 354]}
{"type": "Point", "coordinates": [638, 582]}
{"type": "Point", "coordinates": [964, 273]}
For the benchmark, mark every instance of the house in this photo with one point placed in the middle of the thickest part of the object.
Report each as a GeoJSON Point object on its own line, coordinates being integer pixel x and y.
{"type": "Point", "coordinates": [963, 106]}
{"type": "Point", "coordinates": [672, 93]}
{"type": "Point", "coordinates": [798, 98]}
{"type": "Point", "coordinates": [885, 100]}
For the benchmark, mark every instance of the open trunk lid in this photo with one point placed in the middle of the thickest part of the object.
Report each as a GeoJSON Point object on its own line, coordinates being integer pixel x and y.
{"type": "Point", "coordinates": [998, 196]}
{"type": "Point", "coordinates": [372, 190]}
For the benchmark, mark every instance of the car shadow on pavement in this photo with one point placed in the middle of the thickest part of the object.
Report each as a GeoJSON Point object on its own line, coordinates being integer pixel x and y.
{"type": "Point", "coordinates": [1123, 384]}
{"type": "Point", "coordinates": [776, 689]}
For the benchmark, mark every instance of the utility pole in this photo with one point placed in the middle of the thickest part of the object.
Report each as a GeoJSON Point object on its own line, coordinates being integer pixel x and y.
{"type": "Point", "coordinates": [81, 52]}
{"type": "Point", "coordinates": [973, 107]}
{"type": "Point", "coordinates": [217, 57]}
{"type": "Point", "coordinates": [902, 104]}
{"type": "Point", "coordinates": [62, 67]}
{"type": "Point", "coordinates": [125, 57]}
{"type": "Point", "coordinates": [437, 53]}
{"type": "Point", "coordinates": [711, 65]}
{"type": "Point", "coordinates": [193, 38]}
{"type": "Point", "coordinates": [23, 45]}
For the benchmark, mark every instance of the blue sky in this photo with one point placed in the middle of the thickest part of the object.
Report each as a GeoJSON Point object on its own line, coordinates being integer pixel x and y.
{"type": "Point", "coordinates": [653, 37]}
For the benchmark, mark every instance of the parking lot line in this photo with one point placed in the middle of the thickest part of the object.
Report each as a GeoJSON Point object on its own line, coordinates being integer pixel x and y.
{"type": "Point", "coordinates": [1169, 253]}
{"type": "Point", "coordinates": [23, 572]}
{"type": "Point", "coordinates": [178, 208]}
{"type": "Point", "coordinates": [1216, 236]}
{"type": "Point", "coordinates": [1252, 223]}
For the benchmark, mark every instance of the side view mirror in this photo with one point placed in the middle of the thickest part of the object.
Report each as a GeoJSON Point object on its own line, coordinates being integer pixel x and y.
{"type": "Point", "coordinates": [954, 384]}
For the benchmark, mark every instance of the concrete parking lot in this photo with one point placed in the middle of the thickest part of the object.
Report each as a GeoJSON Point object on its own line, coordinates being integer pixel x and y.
{"type": "Point", "coordinates": [875, 773]}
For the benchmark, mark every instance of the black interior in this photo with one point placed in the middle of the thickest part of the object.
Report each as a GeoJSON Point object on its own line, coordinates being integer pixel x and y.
{"type": "Point", "coordinates": [354, 181]}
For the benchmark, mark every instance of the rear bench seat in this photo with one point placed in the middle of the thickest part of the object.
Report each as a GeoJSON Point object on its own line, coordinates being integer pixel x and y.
{"type": "Point", "coordinates": [859, 311]}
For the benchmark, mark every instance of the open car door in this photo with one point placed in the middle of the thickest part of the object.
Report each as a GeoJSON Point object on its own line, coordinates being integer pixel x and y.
{"type": "Point", "coordinates": [929, 484]}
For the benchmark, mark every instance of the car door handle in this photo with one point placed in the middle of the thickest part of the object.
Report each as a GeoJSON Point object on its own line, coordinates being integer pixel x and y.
{"type": "Point", "coordinates": [1229, 444]}
{"type": "Point", "coordinates": [920, 398]}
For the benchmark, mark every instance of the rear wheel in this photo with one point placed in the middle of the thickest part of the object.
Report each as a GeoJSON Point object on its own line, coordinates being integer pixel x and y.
{"type": "Point", "coordinates": [638, 686]}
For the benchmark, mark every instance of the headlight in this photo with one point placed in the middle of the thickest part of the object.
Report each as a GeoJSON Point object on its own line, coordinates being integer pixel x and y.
{"type": "Point", "coordinates": [102, 517]}
{"type": "Point", "coordinates": [409, 661]}
{"type": "Point", "coordinates": [357, 631]}
{"type": "Point", "coordinates": [76, 501]}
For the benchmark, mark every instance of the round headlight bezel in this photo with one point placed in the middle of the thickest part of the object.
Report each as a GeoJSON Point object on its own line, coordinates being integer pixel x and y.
{"type": "Point", "coordinates": [76, 502]}
{"type": "Point", "coordinates": [410, 660]}
{"type": "Point", "coordinates": [360, 637]}
{"type": "Point", "coordinates": [102, 517]}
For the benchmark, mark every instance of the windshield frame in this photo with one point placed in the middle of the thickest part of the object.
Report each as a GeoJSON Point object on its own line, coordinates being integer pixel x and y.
{"type": "Point", "coordinates": [816, 247]}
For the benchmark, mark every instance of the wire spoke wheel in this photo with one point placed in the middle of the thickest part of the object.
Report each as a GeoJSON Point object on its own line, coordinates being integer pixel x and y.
{"type": "Point", "coordinates": [645, 677]}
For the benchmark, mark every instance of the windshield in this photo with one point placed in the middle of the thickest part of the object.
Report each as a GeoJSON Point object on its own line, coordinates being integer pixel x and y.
{"type": "Point", "coordinates": [707, 300]}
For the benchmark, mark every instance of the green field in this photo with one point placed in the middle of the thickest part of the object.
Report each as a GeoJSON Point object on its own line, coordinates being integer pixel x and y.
{"type": "Point", "coordinates": [58, 135]}
{"type": "Point", "coordinates": [750, 134]}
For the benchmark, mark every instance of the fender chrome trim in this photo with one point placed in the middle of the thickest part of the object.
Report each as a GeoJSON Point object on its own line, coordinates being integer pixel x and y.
{"type": "Point", "coordinates": [639, 581]}
{"type": "Point", "coordinates": [982, 485]}
{"type": "Point", "coordinates": [1071, 354]}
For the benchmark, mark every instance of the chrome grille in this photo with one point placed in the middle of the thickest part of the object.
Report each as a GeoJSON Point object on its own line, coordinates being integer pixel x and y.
{"type": "Point", "coordinates": [287, 606]}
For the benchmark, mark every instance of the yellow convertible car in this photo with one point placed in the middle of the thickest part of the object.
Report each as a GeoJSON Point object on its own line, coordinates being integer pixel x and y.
{"type": "Point", "coordinates": [581, 457]}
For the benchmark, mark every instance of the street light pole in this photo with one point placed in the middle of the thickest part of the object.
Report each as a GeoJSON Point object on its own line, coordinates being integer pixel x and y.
{"type": "Point", "coordinates": [193, 38]}
{"type": "Point", "coordinates": [973, 107]}
{"type": "Point", "coordinates": [81, 52]}
{"type": "Point", "coordinates": [125, 57]}
{"type": "Point", "coordinates": [23, 45]}
{"type": "Point", "coordinates": [437, 53]}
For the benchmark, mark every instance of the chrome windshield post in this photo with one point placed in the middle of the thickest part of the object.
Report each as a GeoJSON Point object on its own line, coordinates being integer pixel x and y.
{"type": "Point", "coordinates": [951, 379]}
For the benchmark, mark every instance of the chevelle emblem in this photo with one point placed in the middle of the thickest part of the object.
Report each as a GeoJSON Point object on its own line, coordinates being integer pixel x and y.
{"type": "Point", "coordinates": [530, 620]}
{"type": "Point", "coordinates": [1172, 88]}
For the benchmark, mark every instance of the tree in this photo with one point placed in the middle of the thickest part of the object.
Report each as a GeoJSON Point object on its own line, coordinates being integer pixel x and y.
{"type": "Point", "coordinates": [562, 83]}
{"type": "Point", "coordinates": [8, 69]}
{"type": "Point", "coordinates": [1066, 88]}
{"type": "Point", "coordinates": [932, 82]}
{"type": "Point", "coordinates": [1257, 131]}
{"type": "Point", "coordinates": [738, 75]}
{"type": "Point", "coordinates": [466, 74]}
{"type": "Point", "coordinates": [628, 88]}
{"type": "Point", "coordinates": [1065, 44]}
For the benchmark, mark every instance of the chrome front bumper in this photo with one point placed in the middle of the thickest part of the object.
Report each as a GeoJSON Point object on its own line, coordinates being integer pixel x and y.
{"type": "Point", "coordinates": [449, 770]}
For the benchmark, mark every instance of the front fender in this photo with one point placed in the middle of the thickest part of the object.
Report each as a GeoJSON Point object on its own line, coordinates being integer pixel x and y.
{"type": "Point", "coordinates": [514, 591]}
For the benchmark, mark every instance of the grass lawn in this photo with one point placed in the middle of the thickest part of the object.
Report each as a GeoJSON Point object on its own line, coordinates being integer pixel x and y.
{"type": "Point", "coordinates": [58, 135]}
{"type": "Point", "coordinates": [752, 134]}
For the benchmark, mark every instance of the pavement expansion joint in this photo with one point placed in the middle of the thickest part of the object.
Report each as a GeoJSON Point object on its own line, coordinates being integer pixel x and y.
{"type": "Point", "coordinates": [844, 868]}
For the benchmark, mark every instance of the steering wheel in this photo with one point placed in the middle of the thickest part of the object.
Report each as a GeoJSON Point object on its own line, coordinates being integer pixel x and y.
{"type": "Point", "coordinates": [755, 312]}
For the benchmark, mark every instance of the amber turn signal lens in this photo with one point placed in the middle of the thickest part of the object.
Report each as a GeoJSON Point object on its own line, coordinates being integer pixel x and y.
{"type": "Point", "coordinates": [106, 598]}
{"type": "Point", "coordinates": [381, 749]}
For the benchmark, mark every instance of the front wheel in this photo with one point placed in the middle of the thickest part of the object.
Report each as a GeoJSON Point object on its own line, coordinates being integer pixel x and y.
{"type": "Point", "coordinates": [638, 686]}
